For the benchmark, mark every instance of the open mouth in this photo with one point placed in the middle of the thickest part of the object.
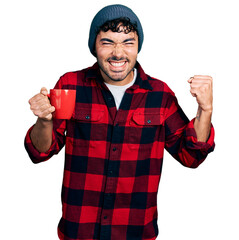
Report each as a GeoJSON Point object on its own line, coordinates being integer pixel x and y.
{"type": "Point", "coordinates": [117, 64]}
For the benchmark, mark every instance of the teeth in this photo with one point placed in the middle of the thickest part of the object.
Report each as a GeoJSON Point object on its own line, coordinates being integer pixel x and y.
{"type": "Point", "coordinates": [116, 64]}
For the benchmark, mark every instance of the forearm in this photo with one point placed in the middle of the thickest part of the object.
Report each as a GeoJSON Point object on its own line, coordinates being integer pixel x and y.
{"type": "Point", "coordinates": [41, 135]}
{"type": "Point", "coordinates": [202, 124]}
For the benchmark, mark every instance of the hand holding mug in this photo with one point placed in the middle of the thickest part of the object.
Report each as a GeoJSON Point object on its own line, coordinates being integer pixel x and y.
{"type": "Point", "coordinates": [59, 104]}
{"type": "Point", "coordinates": [40, 105]}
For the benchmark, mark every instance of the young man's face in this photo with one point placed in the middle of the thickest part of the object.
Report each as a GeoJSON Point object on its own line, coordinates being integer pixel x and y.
{"type": "Point", "coordinates": [116, 55]}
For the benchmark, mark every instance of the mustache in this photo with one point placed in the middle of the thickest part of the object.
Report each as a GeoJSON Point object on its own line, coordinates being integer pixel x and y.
{"type": "Point", "coordinates": [114, 58]}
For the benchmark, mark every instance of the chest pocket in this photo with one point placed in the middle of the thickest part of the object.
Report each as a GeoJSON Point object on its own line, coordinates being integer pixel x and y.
{"type": "Point", "coordinates": [87, 125]}
{"type": "Point", "coordinates": [88, 115]}
{"type": "Point", "coordinates": [148, 119]}
{"type": "Point", "coordinates": [145, 128]}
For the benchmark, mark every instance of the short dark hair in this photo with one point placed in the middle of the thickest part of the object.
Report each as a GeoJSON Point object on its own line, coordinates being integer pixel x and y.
{"type": "Point", "coordinates": [116, 24]}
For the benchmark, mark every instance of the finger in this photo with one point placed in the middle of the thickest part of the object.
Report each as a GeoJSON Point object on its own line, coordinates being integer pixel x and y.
{"type": "Point", "coordinates": [193, 94]}
{"type": "Point", "coordinates": [46, 106]}
{"type": "Point", "coordinates": [201, 83]}
{"type": "Point", "coordinates": [47, 114]}
{"type": "Point", "coordinates": [44, 91]}
{"type": "Point", "coordinates": [48, 117]}
{"type": "Point", "coordinates": [202, 76]}
{"type": "Point", "coordinates": [33, 99]}
{"type": "Point", "coordinates": [49, 110]}
{"type": "Point", "coordinates": [40, 106]}
{"type": "Point", "coordinates": [202, 79]}
{"type": "Point", "coordinates": [199, 89]}
{"type": "Point", "coordinates": [190, 79]}
{"type": "Point", "coordinates": [44, 113]}
{"type": "Point", "coordinates": [198, 86]}
{"type": "Point", "coordinates": [38, 99]}
{"type": "Point", "coordinates": [195, 91]}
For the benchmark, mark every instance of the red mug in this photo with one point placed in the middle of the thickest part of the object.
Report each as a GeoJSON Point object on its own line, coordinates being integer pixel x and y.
{"type": "Point", "coordinates": [64, 102]}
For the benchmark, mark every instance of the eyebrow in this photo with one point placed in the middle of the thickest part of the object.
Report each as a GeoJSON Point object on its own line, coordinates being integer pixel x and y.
{"type": "Point", "coordinates": [106, 40]}
{"type": "Point", "coordinates": [129, 40]}
{"type": "Point", "coordinates": [109, 40]}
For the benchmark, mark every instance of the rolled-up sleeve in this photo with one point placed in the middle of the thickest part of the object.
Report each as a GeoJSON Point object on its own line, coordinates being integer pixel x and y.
{"type": "Point", "coordinates": [181, 139]}
{"type": "Point", "coordinates": [193, 143]}
{"type": "Point", "coordinates": [58, 141]}
{"type": "Point", "coordinates": [58, 133]}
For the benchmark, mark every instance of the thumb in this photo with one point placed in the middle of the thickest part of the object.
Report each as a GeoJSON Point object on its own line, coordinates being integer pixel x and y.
{"type": "Point", "coordinates": [190, 80]}
{"type": "Point", "coordinates": [44, 91]}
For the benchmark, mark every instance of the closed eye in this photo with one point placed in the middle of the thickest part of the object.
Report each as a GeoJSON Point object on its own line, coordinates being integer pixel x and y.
{"type": "Point", "coordinates": [129, 40]}
{"type": "Point", "coordinates": [106, 41]}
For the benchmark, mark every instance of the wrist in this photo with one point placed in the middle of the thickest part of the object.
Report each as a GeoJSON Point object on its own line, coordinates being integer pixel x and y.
{"type": "Point", "coordinates": [44, 123]}
{"type": "Point", "coordinates": [207, 110]}
{"type": "Point", "coordinates": [204, 114]}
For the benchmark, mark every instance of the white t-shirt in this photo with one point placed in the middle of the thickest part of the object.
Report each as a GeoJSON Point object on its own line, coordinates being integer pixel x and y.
{"type": "Point", "coordinates": [118, 91]}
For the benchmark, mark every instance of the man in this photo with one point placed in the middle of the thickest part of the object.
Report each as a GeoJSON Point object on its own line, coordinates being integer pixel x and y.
{"type": "Point", "coordinates": [114, 142]}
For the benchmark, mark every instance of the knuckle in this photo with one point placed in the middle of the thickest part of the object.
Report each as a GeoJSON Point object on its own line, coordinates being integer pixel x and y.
{"type": "Point", "coordinates": [46, 100]}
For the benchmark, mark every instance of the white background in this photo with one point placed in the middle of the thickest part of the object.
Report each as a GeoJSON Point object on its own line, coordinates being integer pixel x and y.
{"type": "Point", "coordinates": [41, 40]}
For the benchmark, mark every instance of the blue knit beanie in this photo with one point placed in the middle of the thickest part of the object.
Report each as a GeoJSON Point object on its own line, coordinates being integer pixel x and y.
{"type": "Point", "coordinates": [109, 13]}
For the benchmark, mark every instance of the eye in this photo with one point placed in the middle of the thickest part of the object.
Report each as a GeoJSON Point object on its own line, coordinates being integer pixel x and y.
{"type": "Point", "coordinates": [107, 43]}
{"type": "Point", "coordinates": [129, 43]}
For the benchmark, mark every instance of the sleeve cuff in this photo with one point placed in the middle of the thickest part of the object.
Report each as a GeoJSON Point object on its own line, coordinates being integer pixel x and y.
{"type": "Point", "coordinates": [33, 153]}
{"type": "Point", "coordinates": [193, 143]}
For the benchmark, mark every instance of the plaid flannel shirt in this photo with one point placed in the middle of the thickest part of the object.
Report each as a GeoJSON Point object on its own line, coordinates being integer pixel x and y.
{"type": "Point", "coordinates": [113, 159]}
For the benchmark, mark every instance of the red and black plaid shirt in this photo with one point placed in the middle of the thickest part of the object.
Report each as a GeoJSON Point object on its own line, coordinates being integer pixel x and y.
{"type": "Point", "coordinates": [113, 159]}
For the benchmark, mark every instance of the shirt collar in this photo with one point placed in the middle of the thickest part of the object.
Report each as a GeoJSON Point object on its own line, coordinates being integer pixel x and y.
{"type": "Point", "coordinates": [141, 80]}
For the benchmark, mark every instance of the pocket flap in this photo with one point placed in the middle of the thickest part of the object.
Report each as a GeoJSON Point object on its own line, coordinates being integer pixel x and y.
{"type": "Point", "coordinates": [88, 115]}
{"type": "Point", "coordinates": [150, 119]}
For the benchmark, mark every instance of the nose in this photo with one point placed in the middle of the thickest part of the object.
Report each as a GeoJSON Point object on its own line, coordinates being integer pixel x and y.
{"type": "Point", "coordinates": [118, 51]}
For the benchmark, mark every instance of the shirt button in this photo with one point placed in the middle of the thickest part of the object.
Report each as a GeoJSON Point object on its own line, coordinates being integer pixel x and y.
{"type": "Point", "coordinates": [149, 121]}
{"type": "Point", "coordinates": [105, 217]}
{"type": "Point", "coordinates": [108, 195]}
{"type": "Point", "coordinates": [87, 117]}
{"type": "Point", "coordinates": [114, 149]}
{"type": "Point", "coordinates": [110, 172]}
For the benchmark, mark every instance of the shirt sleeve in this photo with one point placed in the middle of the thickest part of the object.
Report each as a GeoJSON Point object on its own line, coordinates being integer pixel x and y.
{"type": "Point", "coordinates": [58, 141]}
{"type": "Point", "coordinates": [58, 133]}
{"type": "Point", "coordinates": [181, 139]}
